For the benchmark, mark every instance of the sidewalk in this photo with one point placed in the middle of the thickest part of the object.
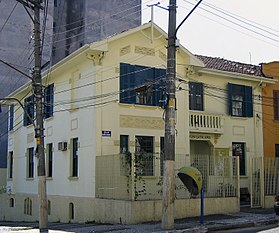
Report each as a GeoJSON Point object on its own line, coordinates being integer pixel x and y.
{"type": "Point", "coordinates": [245, 218]}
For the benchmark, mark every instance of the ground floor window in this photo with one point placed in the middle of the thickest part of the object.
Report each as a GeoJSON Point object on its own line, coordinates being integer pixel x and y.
{"type": "Point", "coordinates": [144, 155]}
{"type": "Point", "coordinates": [277, 150]}
{"type": "Point", "coordinates": [238, 149]}
{"type": "Point", "coordinates": [27, 206]}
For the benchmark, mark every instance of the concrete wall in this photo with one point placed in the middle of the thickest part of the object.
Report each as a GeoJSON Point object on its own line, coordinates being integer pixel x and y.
{"type": "Point", "coordinates": [111, 211]}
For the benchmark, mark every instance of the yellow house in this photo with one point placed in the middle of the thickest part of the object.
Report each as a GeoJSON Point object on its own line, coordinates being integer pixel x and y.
{"type": "Point", "coordinates": [104, 133]}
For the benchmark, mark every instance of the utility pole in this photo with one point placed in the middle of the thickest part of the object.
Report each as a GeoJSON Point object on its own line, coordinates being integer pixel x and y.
{"type": "Point", "coordinates": [35, 5]}
{"type": "Point", "coordinates": [169, 152]}
{"type": "Point", "coordinates": [39, 130]}
{"type": "Point", "coordinates": [169, 155]}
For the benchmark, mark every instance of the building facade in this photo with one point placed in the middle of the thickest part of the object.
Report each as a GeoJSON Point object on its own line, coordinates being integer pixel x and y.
{"type": "Point", "coordinates": [106, 101]}
{"type": "Point", "coordinates": [69, 25]}
{"type": "Point", "coordinates": [271, 111]}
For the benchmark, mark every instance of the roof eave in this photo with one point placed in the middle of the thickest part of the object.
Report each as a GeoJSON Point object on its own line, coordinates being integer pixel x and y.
{"type": "Point", "coordinates": [248, 77]}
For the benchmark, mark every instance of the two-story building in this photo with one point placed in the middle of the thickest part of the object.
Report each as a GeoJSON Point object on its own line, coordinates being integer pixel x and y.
{"type": "Point", "coordinates": [104, 132]}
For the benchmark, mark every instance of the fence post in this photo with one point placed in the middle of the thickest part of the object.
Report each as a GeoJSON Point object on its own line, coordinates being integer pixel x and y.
{"type": "Point", "coordinates": [262, 181]}
{"type": "Point", "coordinates": [238, 178]}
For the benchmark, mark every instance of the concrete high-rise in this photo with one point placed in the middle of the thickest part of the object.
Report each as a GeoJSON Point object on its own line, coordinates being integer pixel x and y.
{"type": "Point", "coordinates": [69, 25]}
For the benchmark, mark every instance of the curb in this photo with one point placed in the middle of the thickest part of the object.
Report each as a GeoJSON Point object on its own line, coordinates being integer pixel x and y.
{"type": "Point", "coordinates": [242, 225]}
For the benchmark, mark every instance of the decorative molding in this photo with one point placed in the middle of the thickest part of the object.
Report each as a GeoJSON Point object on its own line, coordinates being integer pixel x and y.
{"type": "Point", "coordinates": [125, 50]}
{"type": "Point", "coordinates": [238, 130]}
{"type": "Point", "coordinates": [97, 57]}
{"type": "Point", "coordinates": [140, 122]}
{"type": "Point", "coordinates": [117, 70]}
{"type": "Point", "coordinates": [30, 137]}
{"type": "Point", "coordinates": [145, 51]}
{"type": "Point", "coordinates": [49, 131]}
{"type": "Point", "coordinates": [163, 56]}
{"type": "Point", "coordinates": [74, 124]}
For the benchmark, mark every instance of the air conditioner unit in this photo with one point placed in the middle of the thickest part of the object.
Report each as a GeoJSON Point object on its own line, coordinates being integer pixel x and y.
{"type": "Point", "coordinates": [62, 146]}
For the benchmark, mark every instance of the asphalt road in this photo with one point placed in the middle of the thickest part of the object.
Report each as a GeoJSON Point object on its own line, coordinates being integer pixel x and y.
{"type": "Point", "coordinates": [261, 229]}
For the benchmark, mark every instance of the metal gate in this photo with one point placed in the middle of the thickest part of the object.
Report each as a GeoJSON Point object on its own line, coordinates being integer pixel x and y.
{"type": "Point", "coordinates": [257, 179]}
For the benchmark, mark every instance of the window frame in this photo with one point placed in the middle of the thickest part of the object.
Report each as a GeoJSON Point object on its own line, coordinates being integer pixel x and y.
{"type": "Point", "coordinates": [49, 160]}
{"type": "Point", "coordinates": [49, 101]}
{"type": "Point", "coordinates": [242, 157]}
{"type": "Point", "coordinates": [30, 163]}
{"type": "Point", "coordinates": [240, 107]}
{"type": "Point", "coordinates": [74, 157]}
{"type": "Point", "coordinates": [196, 95]}
{"type": "Point", "coordinates": [147, 82]}
{"type": "Point", "coordinates": [124, 143]}
{"type": "Point", "coordinates": [29, 111]}
{"type": "Point", "coordinates": [10, 165]}
{"type": "Point", "coordinates": [144, 155]}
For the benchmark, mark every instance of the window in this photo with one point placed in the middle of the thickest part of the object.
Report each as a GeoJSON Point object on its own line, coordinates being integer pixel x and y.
{"type": "Point", "coordinates": [141, 85]}
{"type": "Point", "coordinates": [28, 111]}
{"type": "Point", "coordinates": [196, 96]}
{"type": "Point", "coordinates": [71, 211]}
{"type": "Point", "coordinates": [124, 143]}
{"type": "Point", "coordinates": [48, 207]}
{"type": "Point", "coordinates": [30, 162]}
{"type": "Point", "coordinates": [240, 100]}
{"type": "Point", "coordinates": [27, 206]}
{"type": "Point", "coordinates": [277, 150]}
{"type": "Point", "coordinates": [74, 157]}
{"type": "Point", "coordinates": [144, 159]}
{"type": "Point", "coordinates": [10, 164]}
{"type": "Point", "coordinates": [49, 159]}
{"type": "Point", "coordinates": [11, 121]}
{"type": "Point", "coordinates": [12, 202]}
{"type": "Point", "coordinates": [238, 149]}
{"type": "Point", "coordinates": [48, 101]}
{"type": "Point", "coordinates": [276, 104]}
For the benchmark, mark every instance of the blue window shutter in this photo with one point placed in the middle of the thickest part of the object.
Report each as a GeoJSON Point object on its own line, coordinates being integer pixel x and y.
{"type": "Point", "coordinates": [127, 83]}
{"type": "Point", "coordinates": [51, 100]}
{"type": "Point", "coordinates": [11, 117]}
{"type": "Point", "coordinates": [160, 75]}
{"type": "Point", "coordinates": [201, 93]}
{"type": "Point", "coordinates": [230, 91]}
{"type": "Point", "coordinates": [248, 101]}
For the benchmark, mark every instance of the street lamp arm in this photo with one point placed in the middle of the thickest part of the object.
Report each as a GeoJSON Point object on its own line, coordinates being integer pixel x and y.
{"type": "Point", "coordinates": [187, 16]}
{"type": "Point", "coordinates": [21, 105]}
{"type": "Point", "coordinates": [7, 64]}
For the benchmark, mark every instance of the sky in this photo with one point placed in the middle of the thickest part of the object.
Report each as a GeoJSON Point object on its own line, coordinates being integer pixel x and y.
{"type": "Point", "coordinates": [239, 30]}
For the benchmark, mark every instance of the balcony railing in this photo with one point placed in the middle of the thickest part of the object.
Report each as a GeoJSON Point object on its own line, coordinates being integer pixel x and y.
{"type": "Point", "coordinates": [206, 123]}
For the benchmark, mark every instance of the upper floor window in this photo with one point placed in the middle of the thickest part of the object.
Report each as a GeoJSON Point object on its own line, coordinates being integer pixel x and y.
{"type": "Point", "coordinates": [196, 96]}
{"type": "Point", "coordinates": [276, 104]}
{"type": "Point", "coordinates": [48, 101]}
{"type": "Point", "coordinates": [141, 85]}
{"type": "Point", "coordinates": [11, 121]}
{"type": "Point", "coordinates": [28, 111]}
{"type": "Point", "coordinates": [240, 100]}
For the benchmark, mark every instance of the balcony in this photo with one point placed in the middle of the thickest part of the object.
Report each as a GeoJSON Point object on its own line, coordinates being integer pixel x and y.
{"type": "Point", "coordinates": [206, 123]}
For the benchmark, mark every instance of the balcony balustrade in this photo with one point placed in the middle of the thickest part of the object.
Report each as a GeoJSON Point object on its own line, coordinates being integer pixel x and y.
{"type": "Point", "coordinates": [206, 123]}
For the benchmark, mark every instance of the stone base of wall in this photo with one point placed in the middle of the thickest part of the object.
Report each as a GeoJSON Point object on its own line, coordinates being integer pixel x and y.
{"type": "Point", "coordinates": [110, 211]}
{"type": "Point", "coordinates": [269, 201]}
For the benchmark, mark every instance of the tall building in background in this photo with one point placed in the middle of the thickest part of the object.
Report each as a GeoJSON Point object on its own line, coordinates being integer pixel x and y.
{"type": "Point", "coordinates": [69, 25]}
